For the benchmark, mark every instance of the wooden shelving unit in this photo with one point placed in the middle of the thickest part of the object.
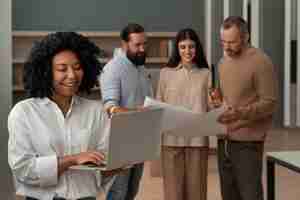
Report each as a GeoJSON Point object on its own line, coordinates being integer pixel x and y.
{"type": "Point", "coordinates": [159, 48]}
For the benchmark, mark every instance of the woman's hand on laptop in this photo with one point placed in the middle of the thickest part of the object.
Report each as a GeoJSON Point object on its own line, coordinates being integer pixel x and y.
{"type": "Point", "coordinates": [89, 157]}
{"type": "Point", "coordinates": [93, 157]}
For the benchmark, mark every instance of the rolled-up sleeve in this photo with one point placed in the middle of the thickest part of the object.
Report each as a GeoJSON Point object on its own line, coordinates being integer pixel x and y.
{"type": "Point", "coordinates": [26, 163]}
{"type": "Point", "coordinates": [110, 84]}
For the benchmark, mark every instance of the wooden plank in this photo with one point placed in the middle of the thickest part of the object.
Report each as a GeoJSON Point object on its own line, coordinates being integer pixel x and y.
{"type": "Point", "coordinates": [92, 34]}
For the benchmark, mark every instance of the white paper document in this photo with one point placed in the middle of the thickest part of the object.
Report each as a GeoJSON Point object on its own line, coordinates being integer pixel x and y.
{"type": "Point", "coordinates": [183, 122]}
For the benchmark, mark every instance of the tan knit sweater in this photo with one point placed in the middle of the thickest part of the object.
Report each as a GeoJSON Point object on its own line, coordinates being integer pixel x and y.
{"type": "Point", "coordinates": [249, 81]}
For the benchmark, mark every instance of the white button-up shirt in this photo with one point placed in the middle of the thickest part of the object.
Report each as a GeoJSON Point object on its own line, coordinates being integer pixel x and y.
{"type": "Point", "coordinates": [39, 133]}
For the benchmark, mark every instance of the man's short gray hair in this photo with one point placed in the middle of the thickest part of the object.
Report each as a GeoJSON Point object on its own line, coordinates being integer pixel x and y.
{"type": "Point", "coordinates": [237, 21]}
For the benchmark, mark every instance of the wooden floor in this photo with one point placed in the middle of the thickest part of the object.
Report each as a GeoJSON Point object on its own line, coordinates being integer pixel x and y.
{"type": "Point", "coordinates": [287, 182]}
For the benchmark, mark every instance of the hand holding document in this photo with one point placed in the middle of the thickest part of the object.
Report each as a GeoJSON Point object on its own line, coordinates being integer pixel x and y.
{"type": "Point", "coordinates": [184, 122]}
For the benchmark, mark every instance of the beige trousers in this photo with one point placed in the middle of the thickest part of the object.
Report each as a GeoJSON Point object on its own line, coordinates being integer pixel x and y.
{"type": "Point", "coordinates": [184, 171]}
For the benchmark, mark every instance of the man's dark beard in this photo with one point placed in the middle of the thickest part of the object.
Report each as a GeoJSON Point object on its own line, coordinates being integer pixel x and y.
{"type": "Point", "coordinates": [136, 58]}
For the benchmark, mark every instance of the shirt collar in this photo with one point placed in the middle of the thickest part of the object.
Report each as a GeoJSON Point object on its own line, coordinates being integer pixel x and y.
{"type": "Point", "coordinates": [120, 52]}
{"type": "Point", "coordinates": [181, 66]}
{"type": "Point", "coordinates": [46, 101]}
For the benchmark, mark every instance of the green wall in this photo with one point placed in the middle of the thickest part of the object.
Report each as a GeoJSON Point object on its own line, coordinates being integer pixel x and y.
{"type": "Point", "coordinates": [107, 15]}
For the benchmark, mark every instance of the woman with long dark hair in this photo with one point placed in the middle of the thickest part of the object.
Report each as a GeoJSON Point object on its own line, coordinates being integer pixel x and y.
{"type": "Point", "coordinates": [184, 82]}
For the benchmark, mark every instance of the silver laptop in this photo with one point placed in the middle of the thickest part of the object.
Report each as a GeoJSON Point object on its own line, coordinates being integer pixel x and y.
{"type": "Point", "coordinates": [134, 138]}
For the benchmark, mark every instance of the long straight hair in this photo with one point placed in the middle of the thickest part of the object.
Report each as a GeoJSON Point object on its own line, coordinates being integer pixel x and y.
{"type": "Point", "coordinates": [184, 34]}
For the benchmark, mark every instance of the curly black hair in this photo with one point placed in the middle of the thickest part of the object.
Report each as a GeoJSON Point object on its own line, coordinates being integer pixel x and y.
{"type": "Point", "coordinates": [37, 74]}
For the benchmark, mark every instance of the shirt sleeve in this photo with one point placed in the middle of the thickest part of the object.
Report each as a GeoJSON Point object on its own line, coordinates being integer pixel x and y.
{"type": "Point", "coordinates": [110, 84]}
{"type": "Point", "coordinates": [266, 86]}
{"type": "Point", "coordinates": [161, 86]}
{"type": "Point", "coordinates": [25, 161]}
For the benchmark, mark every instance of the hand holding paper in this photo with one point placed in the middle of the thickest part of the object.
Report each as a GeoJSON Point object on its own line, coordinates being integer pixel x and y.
{"type": "Point", "coordinates": [184, 122]}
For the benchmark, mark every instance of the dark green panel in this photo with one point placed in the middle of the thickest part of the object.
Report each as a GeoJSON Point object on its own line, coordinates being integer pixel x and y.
{"type": "Point", "coordinates": [236, 8]}
{"type": "Point", "coordinates": [272, 41]}
{"type": "Point", "coordinates": [107, 15]}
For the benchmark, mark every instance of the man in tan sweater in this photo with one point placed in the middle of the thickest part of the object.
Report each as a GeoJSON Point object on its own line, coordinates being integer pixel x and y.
{"type": "Point", "coordinates": [247, 82]}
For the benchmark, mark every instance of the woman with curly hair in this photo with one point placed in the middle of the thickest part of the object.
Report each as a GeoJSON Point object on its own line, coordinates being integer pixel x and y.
{"type": "Point", "coordinates": [54, 128]}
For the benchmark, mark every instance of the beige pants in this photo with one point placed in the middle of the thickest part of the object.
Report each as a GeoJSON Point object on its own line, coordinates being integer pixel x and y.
{"type": "Point", "coordinates": [184, 171]}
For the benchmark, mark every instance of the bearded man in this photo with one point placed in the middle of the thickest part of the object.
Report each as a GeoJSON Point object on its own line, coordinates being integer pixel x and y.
{"type": "Point", "coordinates": [124, 86]}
